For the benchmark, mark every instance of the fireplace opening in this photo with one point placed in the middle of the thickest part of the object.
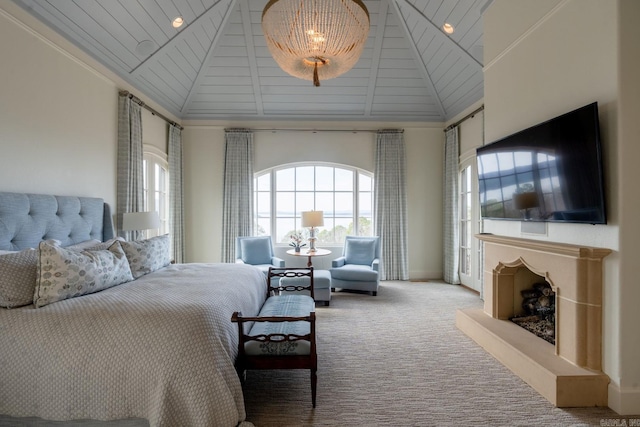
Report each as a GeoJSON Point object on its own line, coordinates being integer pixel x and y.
{"type": "Point", "coordinates": [538, 311]}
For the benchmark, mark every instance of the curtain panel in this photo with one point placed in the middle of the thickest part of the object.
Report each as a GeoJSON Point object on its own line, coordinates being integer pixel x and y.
{"type": "Point", "coordinates": [390, 214]}
{"type": "Point", "coordinates": [237, 210]}
{"type": "Point", "coordinates": [451, 223]}
{"type": "Point", "coordinates": [129, 187]}
{"type": "Point", "coordinates": [176, 202]}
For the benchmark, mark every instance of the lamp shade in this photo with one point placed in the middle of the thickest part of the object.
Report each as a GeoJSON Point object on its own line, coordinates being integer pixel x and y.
{"type": "Point", "coordinates": [526, 200]}
{"type": "Point", "coordinates": [140, 221]}
{"type": "Point", "coordinates": [315, 40]}
{"type": "Point", "coordinates": [312, 219]}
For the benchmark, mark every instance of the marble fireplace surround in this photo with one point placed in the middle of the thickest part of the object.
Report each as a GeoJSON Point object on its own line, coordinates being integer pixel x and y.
{"type": "Point", "coordinates": [568, 373]}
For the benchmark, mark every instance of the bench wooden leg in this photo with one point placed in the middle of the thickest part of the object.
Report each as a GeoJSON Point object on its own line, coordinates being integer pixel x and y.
{"type": "Point", "coordinates": [314, 382]}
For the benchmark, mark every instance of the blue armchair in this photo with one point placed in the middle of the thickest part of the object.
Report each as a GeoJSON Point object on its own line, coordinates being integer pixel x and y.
{"type": "Point", "coordinates": [358, 267]}
{"type": "Point", "coordinates": [258, 251]}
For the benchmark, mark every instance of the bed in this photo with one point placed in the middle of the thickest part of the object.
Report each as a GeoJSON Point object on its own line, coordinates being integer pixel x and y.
{"type": "Point", "coordinates": [160, 347]}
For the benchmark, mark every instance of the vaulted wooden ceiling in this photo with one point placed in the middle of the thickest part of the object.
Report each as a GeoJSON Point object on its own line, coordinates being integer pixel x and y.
{"type": "Point", "coordinates": [217, 65]}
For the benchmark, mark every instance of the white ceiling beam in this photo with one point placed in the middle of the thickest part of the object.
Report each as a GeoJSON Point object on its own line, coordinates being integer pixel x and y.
{"type": "Point", "coordinates": [441, 35]}
{"type": "Point", "coordinates": [202, 72]}
{"type": "Point", "coordinates": [418, 58]}
{"type": "Point", "coordinates": [251, 52]}
{"type": "Point", "coordinates": [214, 8]}
{"type": "Point", "coordinates": [377, 53]}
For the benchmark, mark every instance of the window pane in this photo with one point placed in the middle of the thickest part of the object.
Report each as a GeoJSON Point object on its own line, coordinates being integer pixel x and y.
{"type": "Point", "coordinates": [263, 183]}
{"type": "Point", "coordinates": [285, 180]}
{"type": "Point", "coordinates": [344, 180]}
{"type": "Point", "coordinates": [263, 205]}
{"type": "Point", "coordinates": [304, 188]}
{"type": "Point", "coordinates": [365, 202]}
{"type": "Point", "coordinates": [304, 178]}
{"type": "Point", "coordinates": [342, 228]}
{"type": "Point", "coordinates": [325, 233]}
{"type": "Point", "coordinates": [304, 202]}
{"type": "Point", "coordinates": [284, 227]}
{"type": "Point", "coordinates": [156, 191]}
{"type": "Point", "coordinates": [344, 205]}
{"type": "Point", "coordinates": [264, 227]}
{"type": "Point", "coordinates": [324, 202]}
{"type": "Point", "coordinates": [364, 182]}
{"type": "Point", "coordinates": [324, 178]}
{"type": "Point", "coordinates": [285, 204]}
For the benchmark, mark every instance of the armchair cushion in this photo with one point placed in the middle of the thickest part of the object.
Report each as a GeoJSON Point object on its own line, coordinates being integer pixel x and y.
{"type": "Point", "coordinates": [360, 251]}
{"type": "Point", "coordinates": [338, 262]}
{"type": "Point", "coordinates": [277, 262]}
{"type": "Point", "coordinates": [256, 250]}
{"type": "Point", "coordinates": [355, 272]}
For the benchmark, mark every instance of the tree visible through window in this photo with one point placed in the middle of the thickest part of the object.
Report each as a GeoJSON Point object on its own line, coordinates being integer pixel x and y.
{"type": "Point", "coordinates": [344, 194]}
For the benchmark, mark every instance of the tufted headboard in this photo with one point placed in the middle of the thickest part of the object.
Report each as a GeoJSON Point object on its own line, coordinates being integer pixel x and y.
{"type": "Point", "coordinates": [27, 219]}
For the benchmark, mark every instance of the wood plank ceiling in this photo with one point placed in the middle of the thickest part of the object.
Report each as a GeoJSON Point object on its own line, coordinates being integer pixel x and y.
{"type": "Point", "coordinates": [217, 65]}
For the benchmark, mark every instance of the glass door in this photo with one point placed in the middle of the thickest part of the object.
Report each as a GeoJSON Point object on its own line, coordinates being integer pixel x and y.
{"type": "Point", "coordinates": [470, 254]}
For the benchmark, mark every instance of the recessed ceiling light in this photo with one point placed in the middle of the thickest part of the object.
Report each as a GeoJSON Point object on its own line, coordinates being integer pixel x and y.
{"type": "Point", "coordinates": [177, 22]}
{"type": "Point", "coordinates": [448, 28]}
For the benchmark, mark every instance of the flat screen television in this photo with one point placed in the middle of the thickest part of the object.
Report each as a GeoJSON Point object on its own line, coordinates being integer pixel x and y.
{"type": "Point", "coordinates": [549, 172]}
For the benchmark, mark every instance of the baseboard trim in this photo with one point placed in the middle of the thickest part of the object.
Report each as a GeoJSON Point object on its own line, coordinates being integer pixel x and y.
{"type": "Point", "coordinates": [624, 401]}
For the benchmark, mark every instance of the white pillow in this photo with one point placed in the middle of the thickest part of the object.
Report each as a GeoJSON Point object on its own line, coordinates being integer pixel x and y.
{"type": "Point", "coordinates": [18, 278]}
{"type": "Point", "coordinates": [146, 256]}
{"type": "Point", "coordinates": [66, 273]}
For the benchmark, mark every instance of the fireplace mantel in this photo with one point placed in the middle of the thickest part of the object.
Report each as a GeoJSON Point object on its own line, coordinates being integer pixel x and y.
{"type": "Point", "coordinates": [569, 373]}
{"type": "Point", "coordinates": [566, 249]}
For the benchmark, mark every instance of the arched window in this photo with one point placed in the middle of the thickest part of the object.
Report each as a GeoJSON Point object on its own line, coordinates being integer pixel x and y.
{"type": "Point", "coordinates": [343, 193]}
{"type": "Point", "coordinates": [156, 186]}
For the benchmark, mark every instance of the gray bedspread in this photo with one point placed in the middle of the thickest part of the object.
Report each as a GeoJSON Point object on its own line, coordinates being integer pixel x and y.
{"type": "Point", "coordinates": [160, 348]}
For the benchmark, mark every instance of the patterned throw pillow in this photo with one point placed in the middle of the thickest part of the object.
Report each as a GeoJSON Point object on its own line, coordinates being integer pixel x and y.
{"type": "Point", "coordinates": [146, 256]}
{"type": "Point", "coordinates": [67, 273]}
{"type": "Point", "coordinates": [18, 278]}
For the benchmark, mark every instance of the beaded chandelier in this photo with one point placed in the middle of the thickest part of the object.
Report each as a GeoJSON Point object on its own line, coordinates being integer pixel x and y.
{"type": "Point", "coordinates": [315, 39]}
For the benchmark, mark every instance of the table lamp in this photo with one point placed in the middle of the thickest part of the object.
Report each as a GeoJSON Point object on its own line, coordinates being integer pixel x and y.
{"type": "Point", "coordinates": [138, 221]}
{"type": "Point", "coordinates": [312, 219]}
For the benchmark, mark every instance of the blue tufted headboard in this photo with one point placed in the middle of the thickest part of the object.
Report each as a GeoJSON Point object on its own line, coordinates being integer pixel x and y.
{"type": "Point", "coordinates": [27, 219]}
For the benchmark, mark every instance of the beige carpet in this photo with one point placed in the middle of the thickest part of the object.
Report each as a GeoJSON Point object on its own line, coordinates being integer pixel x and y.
{"type": "Point", "coordinates": [397, 359]}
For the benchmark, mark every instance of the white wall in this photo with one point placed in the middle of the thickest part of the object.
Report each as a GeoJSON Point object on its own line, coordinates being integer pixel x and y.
{"type": "Point", "coordinates": [546, 58]}
{"type": "Point", "coordinates": [204, 155]}
{"type": "Point", "coordinates": [58, 120]}
{"type": "Point", "coordinates": [58, 114]}
{"type": "Point", "coordinates": [629, 206]}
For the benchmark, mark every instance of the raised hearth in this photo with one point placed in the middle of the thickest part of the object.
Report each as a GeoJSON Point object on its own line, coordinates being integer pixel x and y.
{"type": "Point", "coordinates": [569, 372]}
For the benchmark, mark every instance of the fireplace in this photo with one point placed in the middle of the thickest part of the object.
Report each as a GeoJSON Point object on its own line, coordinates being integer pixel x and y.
{"type": "Point", "coordinates": [537, 310]}
{"type": "Point", "coordinates": [567, 373]}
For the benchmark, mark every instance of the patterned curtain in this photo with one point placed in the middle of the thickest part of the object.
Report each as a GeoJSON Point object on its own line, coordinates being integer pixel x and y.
{"type": "Point", "coordinates": [237, 210]}
{"type": "Point", "coordinates": [130, 188]}
{"type": "Point", "coordinates": [176, 204]}
{"type": "Point", "coordinates": [391, 204]}
{"type": "Point", "coordinates": [451, 223]}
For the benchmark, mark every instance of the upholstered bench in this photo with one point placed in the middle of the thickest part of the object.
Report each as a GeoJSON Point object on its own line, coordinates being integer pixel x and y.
{"type": "Point", "coordinates": [283, 334]}
{"type": "Point", "coordinates": [321, 284]}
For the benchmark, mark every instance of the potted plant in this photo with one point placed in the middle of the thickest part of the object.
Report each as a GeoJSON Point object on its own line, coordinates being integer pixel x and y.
{"type": "Point", "coordinates": [296, 241]}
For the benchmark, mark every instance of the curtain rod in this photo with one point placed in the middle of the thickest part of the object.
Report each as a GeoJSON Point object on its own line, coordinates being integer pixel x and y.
{"type": "Point", "coordinates": [321, 130]}
{"type": "Point", "coordinates": [468, 116]}
{"type": "Point", "coordinates": [145, 106]}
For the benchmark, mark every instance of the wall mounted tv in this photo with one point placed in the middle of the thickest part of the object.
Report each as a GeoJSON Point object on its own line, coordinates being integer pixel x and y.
{"type": "Point", "coordinates": [549, 172]}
